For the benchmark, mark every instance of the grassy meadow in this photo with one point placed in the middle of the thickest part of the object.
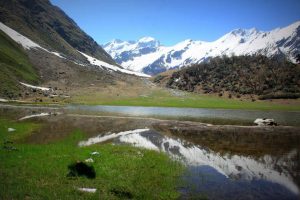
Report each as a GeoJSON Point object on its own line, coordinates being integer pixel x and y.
{"type": "Point", "coordinates": [39, 171]}
{"type": "Point", "coordinates": [161, 97]}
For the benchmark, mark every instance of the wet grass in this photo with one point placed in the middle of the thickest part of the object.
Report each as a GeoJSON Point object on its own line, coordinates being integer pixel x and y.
{"type": "Point", "coordinates": [210, 120]}
{"type": "Point", "coordinates": [36, 171]}
{"type": "Point", "coordinates": [21, 130]}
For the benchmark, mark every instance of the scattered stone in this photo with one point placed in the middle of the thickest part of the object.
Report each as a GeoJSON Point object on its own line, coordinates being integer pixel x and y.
{"type": "Point", "coordinates": [7, 142]}
{"type": "Point", "coordinates": [265, 122]}
{"type": "Point", "coordinates": [140, 154]}
{"type": "Point", "coordinates": [9, 148]}
{"type": "Point", "coordinates": [11, 129]}
{"type": "Point", "coordinates": [65, 96]}
{"type": "Point", "coordinates": [122, 194]}
{"type": "Point", "coordinates": [3, 100]}
{"type": "Point", "coordinates": [91, 190]}
{"type": "Point", "coordinates": [89, 160]}
{"type": "Point", "coordinates": [7, 145]}
{"type": "Point", "coordinates": [95, 153]}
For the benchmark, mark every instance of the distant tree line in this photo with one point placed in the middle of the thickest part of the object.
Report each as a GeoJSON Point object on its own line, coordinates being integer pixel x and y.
{"type": "Point", "coordinates": [240, 75]}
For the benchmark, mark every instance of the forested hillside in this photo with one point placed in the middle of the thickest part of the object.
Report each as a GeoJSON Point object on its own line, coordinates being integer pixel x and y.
{"type": "Point", "coordinates": [238, 75]}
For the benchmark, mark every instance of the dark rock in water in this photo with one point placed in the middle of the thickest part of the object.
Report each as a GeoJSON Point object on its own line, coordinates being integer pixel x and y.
{"type": "Point", "coordinates": [81, 169]}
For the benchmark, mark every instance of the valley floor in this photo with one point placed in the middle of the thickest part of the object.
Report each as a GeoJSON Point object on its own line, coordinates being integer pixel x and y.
{"type": "Point", "coordinates": [141, 159]}
{"type": "Point", "coordinates": [142, 92]}
{"type": "Point", "coordinates": [39, 171]}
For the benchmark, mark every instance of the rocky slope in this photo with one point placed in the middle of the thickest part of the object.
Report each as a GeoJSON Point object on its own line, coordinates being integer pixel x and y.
{"type": "Point", "coordinates": [148, 56]}
{"type": "Point", "coordinates": [14, 66]}
{"type": "Point", "coordinates": [41, 45]}
{"type": "Point", "coordinates": [50, 27]}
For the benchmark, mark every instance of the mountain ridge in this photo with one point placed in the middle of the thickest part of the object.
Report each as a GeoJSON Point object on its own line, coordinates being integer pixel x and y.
{"type": "Point", "coordinates": [150, 59]}
{"type": "Point", "coordinates": [41, 46]}
{"type": "Point", "coordinates": [50, 27]}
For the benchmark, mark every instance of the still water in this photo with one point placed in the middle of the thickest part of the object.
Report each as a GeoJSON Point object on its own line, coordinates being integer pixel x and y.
{"type": "Point", "coordinates": [282, 117]}
{"type": "Point", "coordinates": [242, 164]}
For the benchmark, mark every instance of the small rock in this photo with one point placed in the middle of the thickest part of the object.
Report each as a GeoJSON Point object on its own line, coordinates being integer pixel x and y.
{"type": "Point", "coordinates": [140, 154]}
{"type": "Point", "coordinates": [95, 153]}
{"type": "Point", "coordinates": [91, 190]}
{"type": "Point", "coordinates": [265, 122]}
{"type": "Point", "coordinates": [3, 100]}
{"type": "Point", "coordinates": [11, 129]}
{"type": "Point", "coordinates": [89, 160]}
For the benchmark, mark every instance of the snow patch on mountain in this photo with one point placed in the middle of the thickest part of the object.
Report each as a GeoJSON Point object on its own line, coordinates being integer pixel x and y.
{"type": "Point", "coordinates": [101, 64]}
{"type": "Point", "coordinates": [29, 44]}
{"type": "Point", "coordinates": [24, 41]}
{"type": "Point", "coordinates": [148, 56]}
{"type": "Point", "coordinates": [35, 87]}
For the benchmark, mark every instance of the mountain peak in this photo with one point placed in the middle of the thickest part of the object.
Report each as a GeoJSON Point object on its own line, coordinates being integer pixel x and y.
{"type": "Point", "coordinates": [148, 42]}
{"type": "Point", "coordinates": [243, 32]}
{"type": "Point", "coordinates": [146, 39]}
{"type": "Point", "coordinates": [238, 31]}
{"type": "Point", "coordinates": [294, 26]}
{"type": "Point", "coordinates": [117, 41]}
{"type": "Point", "coordinates": [145, 55]}
{"type": "Point", "coordinates": [188, 41]}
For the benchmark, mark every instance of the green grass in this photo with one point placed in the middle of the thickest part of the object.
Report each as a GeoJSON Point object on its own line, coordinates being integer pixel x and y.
{"type": "Point", "coordinates": [21, 130]}
{"type": "Point", "coordinates": [14, 66]}
{"type": "Point", "coordinates": [162, 98]}
{"type": "Point", "coordinates": [38, 171]}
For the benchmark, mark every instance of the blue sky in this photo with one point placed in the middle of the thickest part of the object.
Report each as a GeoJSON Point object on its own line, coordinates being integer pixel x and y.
{"type": "Point", "coordinates": [172, 21]}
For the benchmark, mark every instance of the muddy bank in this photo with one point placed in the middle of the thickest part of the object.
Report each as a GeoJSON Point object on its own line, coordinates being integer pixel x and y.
{"type": "Point", "coordinates": [230, 138]}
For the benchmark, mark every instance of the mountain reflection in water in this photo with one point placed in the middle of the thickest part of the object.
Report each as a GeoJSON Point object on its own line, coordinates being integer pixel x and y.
{"type": "Point", "coordinates": [236, 167]}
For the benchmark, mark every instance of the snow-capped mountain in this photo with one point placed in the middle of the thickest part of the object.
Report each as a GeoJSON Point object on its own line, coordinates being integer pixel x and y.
{"type": "Point", "coordinates": [123, 51]}
{"type": "Point", "coordinates": [29, 44]}
{"type": "Point", "coordinates": [148, 56]}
